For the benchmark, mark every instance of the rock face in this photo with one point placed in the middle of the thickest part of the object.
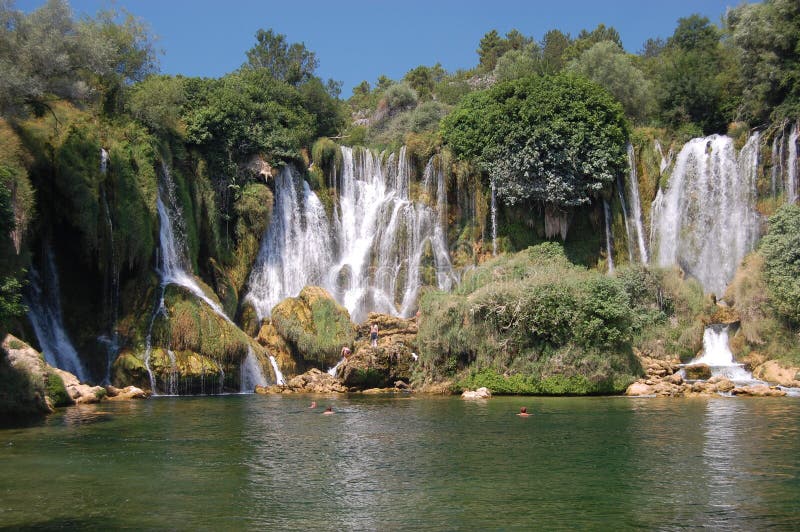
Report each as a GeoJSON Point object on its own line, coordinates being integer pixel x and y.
{"type": "Point", "coordinates": [276, 346]}
{"type": "Point", "coordinates": [480, 393]}
{"type": "Point", "coordinates": [391, 361]}
{"type": "Point", "coordinates": [698, 372]}
{"type": "Point", "coordinates": [312, 381]}
{"type": "Point", "coordinates": [773, 371]}
{"type": "Point", "coordinates": [314, 326]}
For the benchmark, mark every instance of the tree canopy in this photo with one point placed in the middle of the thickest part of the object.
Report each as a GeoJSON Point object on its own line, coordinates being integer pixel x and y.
{"type": "Point", "coordinates": [554, 139]}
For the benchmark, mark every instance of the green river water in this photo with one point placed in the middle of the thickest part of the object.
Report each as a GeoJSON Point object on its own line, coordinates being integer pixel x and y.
{"type": "Point", "coordinates": [407, 463]}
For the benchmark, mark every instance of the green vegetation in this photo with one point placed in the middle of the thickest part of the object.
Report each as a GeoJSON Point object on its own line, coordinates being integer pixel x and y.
{"type": "Point", "coordinates": [781, 267]}
{"type": "Point", "coordinates": [56, 391]}
{"type": "Point", "coordinates": [558, 140]}
{"type": "Point", "coordinates": [533, 314]}
{"type": "Point", "coordinates": [314, 326]}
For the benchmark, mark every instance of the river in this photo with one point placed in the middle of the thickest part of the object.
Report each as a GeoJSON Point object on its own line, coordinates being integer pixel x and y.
{"type": "Point", "coordinates": [406, 463]}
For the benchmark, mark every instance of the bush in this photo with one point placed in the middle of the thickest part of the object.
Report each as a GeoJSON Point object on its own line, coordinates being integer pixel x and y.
{"type": "Point", "coordinates": [400, 96]}
{"type": "Point", "coordinates": [56, 390]}
{"type": "Point", "coordinates": [781, 266]}
{"type": "Point", "coordinates": [536, 317]}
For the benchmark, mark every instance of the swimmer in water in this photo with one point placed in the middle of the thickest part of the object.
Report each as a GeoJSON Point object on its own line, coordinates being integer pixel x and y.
{"type": "Point", "coordinates": [313, 404]}
{"type": "Point", "coordinates": [523, 412]}
{"type": "Point", "coordinates": [328, 410]}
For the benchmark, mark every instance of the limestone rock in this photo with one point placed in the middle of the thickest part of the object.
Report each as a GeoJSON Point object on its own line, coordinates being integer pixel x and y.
{"type": "Point", "coordinates": [315, 381]}
{"type": "Point", "coordinates": [774, 371]}
{"type": "Point", "coordinates": [758, 390]}
{"type": "Point", "coordinates": [639, 388]}
{"type": "Point", "coordinates": [480, 393]}
{"type": "Point", "coordinates": [81, 393]}
{"type": "Point", "coordinates": [436, 388]}
{"type": "Point", "coordinates": [675, 378]}
{"type": "Point", "coordinates": [314, 326]}
{"type": "Point", "coordinates": [125, 394]}
{"type": "Point", "coordinates": [698, 372]}
{"type": "Point", "coordinates": [276, 346]}
{"type": "Point", "coordinates": [23, 382]}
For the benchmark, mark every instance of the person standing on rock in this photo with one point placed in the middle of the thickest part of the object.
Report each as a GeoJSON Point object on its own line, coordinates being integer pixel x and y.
{"type": "Point", "coordinates": [345, 352]}
{"type": "Point", "coordinates": [373, 334]}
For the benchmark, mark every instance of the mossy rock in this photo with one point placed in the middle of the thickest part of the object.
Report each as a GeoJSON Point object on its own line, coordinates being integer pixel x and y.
{"type": "Point", "coordinates": [129, 370]}
{"type": "Point", "coordinates": [698, 372]}
{"type": "Point", "coordinates": [56, 390]}
{"type": "Point", "coordinates": [276, 346]}
{"type": "Point", "coordinates": [314, 325]}
{"type": "Point", "coordinates": [224, 288]}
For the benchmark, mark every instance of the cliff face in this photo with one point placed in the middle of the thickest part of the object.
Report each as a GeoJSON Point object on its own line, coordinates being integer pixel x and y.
{"type": "Point", "coordinates": [89, 231]}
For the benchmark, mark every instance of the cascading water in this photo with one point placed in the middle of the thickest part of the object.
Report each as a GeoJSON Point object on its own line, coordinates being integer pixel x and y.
{"type": "Point", "coordinates": [777, 163]}
{"type": "Point", "coordinates": [44, 312]}
{"type": "Point", "coordinates": [666, 160]}
{"type": "Point", "coordinates": [706, 221]}
{"type": "Point", "coordinates": [172, 269]}
{"type": "Point", "coordinates": [278, 375]}
{"type": "Point", "coordinates": [250, 374]}
{"type": "Point", "coordinates": [609, 246]}
{"type": "Point", "coordinates": [625, 217]}
{"type": "Point", "coordinates": [717, 355]}
{"type": "Point", "coordinates": [791, 166]}
{"type": "Point", "coordinates": [369, 255]}
{"type": "Point", "coordinates": [636, 206]}
{"type": "Point", "coordinates": [332, 371]}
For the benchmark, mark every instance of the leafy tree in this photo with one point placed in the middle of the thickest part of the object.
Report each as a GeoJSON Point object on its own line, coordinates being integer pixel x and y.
{"type": "Point", "coordinates": [781, 250]}
{"type": "Point", "coordinates": [767, 37]}
{"type": "Point", "coordinates": [156, 102]}
{"type": "Point", "coordinates": [245, 113]}
{"type": "Point", "coordinates": [492, 47]}
{"type": "Point", "coordinates": [423, 79]}
{"type": "Point", "coordinates": [607, 64]}
{"type": "Point", "coordinates": [691, 77]}
{"type": "Point", "coordinates": [516, 64]}
{"type": "Point", "coordinates": [329, 117]}
{"type": "Point", "coordinates": [47, 55]}
{"type": "Point", "coordinates": [554, 46]}
{"type": "Point", "coordinates": [554, 139]}
{"type": "Point", "coordinates": [292, 63]}
{"type": "Point", "coordinates": [587, 39]}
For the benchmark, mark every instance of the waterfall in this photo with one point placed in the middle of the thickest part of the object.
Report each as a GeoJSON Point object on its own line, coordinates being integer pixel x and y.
{"type": "Point", "coordinates": [332, 371]}
{"type": "Point", "coordinates": [110, 340]}
{"type": "Point", "coordinates": [636, 206]}
{"type": "Point", "coordinates": [609, 247]}
{"type": "Point", "coordinates": [625, 217]}
{"type": "Point", "coordinates": [718, 356]}
{"type": "Point", "coordinates": [705, 221]}
{"type": "Point", "coordinates": [777, 163]}
{"type": "Point", "coordinates": [171, 239]}
{"type": "Point", "coordinates": [279, 380]}
{"type": "Point", "coordinates": [250, 374]}
{"type": "Point", "coordinates": [369, 254]}
{"type": "Point", "coordinates": [103, 161]}
{"type": "Point", "coordinates": [665, 160]}
{"type": "Point", "coordinates": [44, 313]}
{"type": "Point", "coordinates": [791, 166]}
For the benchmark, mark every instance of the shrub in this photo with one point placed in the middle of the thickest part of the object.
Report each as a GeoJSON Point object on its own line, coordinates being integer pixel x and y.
{"type": "Point", "coordinates": [781, 267]}
{"type": "Point", "coordinates": [56, 390]}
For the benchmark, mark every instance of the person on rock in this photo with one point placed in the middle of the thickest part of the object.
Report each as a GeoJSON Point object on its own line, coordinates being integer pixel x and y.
{"type": "Point", "coordinates": [523, 412]}
{"type": "Point", "coordinates": [373, 335]}
{"type": "Point", "coordinates": [345, 352]}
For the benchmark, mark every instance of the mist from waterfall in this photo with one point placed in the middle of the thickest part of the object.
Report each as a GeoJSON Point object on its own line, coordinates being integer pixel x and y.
{"type": "Point", "coordinates": [706, 220]}
{"type": "Point", "coordinates": [370, 252]}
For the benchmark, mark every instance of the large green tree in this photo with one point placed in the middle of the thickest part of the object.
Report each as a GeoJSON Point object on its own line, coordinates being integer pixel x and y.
{"type": "Point", "coordinates": [292, 63]}
{"type": "Point", "coordinates": [767, 37]}
{"type": "Point", "coordinates": [554, 139]}
{"type": "Point", "coordinates": [781, 250]}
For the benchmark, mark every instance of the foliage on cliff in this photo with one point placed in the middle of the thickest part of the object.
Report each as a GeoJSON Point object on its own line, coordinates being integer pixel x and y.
{"type": "Point", "coordinates": [781, 266]}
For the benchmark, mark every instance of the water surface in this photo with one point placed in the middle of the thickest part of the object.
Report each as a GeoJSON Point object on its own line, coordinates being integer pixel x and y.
{"type": "Point", "coordinates": [388, 463]}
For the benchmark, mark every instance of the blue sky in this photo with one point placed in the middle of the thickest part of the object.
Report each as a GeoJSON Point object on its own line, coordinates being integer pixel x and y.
{"type": "Point", "coordinates": [360, 39]}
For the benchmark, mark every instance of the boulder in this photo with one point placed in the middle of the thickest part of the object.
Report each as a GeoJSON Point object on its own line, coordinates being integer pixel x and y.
{"type": "Point", "coordinates": [315, 381]}
{"type": "Point", "coordinates": [480, 393]}
{"type": "Point", "coordinates": [696, 372]}
{"type": "Point", "coordinates": [276, 346]}
{"type": "Point", "coordinates": [774, 371]}
{"type": "Point", "coordinates": [758, 390]}
{"type": "Point", "coordinates": [25, 379]}
{"type": "Point", "coordinates": [81, 393]}
{"type": "Point", "coordinates": [675, 378]}
{"type": "Point", "coordinates": [125, 394]}
{"type": "Point", "coordinates": [314, 326]}
{"type": "Point", "coordinates": [639, 388]}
